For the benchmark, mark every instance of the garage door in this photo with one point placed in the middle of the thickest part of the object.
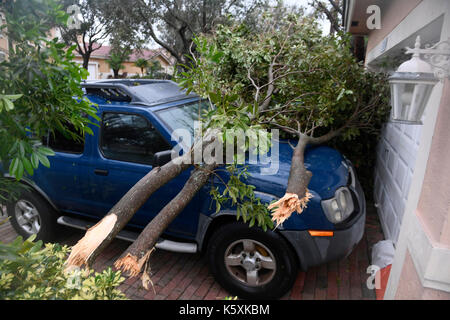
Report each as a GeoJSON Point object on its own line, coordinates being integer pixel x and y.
{"type": "Point", "coordinates": [396, 153]}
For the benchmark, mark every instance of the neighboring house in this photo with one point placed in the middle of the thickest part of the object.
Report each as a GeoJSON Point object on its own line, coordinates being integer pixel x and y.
{"type": "Point", "coordinates": [412, 188]}
{"type": "Point", "coordinates": [99, 68]}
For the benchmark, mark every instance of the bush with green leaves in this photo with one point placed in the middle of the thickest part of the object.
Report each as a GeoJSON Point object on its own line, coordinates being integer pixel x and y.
{"type": "Point", "coordinates": [40, 90]}
{"type": "Point", "coordinates": [31, 271]}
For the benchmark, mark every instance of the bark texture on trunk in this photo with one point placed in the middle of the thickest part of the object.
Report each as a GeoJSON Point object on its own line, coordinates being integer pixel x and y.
{"type": "Point", "coordinates": [297, 194]}
{"type": "Point", "coordinates": [100, 236]}
{"type": "Point", "coordinates": [134, 259]}
{"type": "Point", "coordinates": [150, 235]}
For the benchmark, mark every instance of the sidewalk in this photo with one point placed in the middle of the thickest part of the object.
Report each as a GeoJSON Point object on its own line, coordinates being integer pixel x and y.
{"type": "Point", "coordinates": [186, 276]}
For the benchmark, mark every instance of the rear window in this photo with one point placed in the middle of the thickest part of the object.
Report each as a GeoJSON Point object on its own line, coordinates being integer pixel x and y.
{"type": "Point", "coordinates": [64, 142]}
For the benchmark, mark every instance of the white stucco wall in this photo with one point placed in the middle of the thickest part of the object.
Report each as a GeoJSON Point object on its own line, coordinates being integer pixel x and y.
{"type": "Point", "coordinates": [398, 189]}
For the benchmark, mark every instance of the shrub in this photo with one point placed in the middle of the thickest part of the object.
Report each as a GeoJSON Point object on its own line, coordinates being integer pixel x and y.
{"type": "Point", "coordinates": [31, 271]}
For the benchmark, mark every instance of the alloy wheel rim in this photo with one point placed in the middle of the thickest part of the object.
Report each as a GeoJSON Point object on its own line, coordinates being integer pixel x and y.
{"type": "Point", "coordinates": [250, 262]}
{"type": "Point", "coordinates": [27, 217]}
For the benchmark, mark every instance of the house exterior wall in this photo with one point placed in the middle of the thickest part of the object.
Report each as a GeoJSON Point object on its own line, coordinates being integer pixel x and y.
{"type": "Point", "coordinates": [103, 70]}
{"type": "Point", "coordinates": [392, 13]}
{"type": "Point", "coordinates": [411, 288]}
{"type": "Point", "coordinates": [434, 204]}
{"type": "Point", "coordinates": [413, 168]}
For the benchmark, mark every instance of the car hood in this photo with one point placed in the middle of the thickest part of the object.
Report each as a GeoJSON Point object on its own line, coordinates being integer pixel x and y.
{"type": "Point", "coordinates": [325, 163]}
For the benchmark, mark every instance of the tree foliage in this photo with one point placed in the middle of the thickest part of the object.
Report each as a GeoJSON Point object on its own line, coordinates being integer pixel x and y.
{"type": "Point", "coordinates": [288, 76]}
{"type": "Point", "coordinates": [173, 23]}
{"type": "Point", "coordinates": [87, 28]}
{"type": "Point", "coordinates": [333, 12]}
{"type": "Point", "coordinates": [38, 83]}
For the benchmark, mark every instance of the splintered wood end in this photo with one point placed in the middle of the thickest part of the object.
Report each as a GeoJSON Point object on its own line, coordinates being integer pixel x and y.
{"type": "Point", "coordinates": [131, 264]}
{"type": "Point", "coordinates": [289, 203]}
{"type": "Point", "coordinates": [90, 242]}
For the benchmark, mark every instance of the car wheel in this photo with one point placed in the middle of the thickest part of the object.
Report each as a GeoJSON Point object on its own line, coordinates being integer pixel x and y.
{"type": "Point", "coordinates": [251, 263]}
{"type": "Point", "coordinates": [30, 214]}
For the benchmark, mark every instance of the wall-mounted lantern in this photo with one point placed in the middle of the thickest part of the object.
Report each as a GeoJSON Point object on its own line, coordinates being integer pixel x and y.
{"type": "Point", "coordinates": [413, 82]}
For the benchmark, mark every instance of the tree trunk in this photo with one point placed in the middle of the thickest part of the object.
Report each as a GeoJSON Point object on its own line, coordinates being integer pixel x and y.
{"type": "Point", "coordinates": [100, 236]}
{"type": "Point", "coordinates": [86, 58]}
{"type": "Point", "coordinates": [299, 176]}
{"type": "Point", "coordinates": [136, 256]}
{"type": "Point", "coordinates": [297, 194]}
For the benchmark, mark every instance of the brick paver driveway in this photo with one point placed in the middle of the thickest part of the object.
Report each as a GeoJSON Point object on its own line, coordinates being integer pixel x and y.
{"type": "Point", "coordinates": [186, 276]}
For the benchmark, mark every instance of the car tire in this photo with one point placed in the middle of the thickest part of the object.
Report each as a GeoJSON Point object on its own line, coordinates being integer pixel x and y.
{"type": "Point", "coordinates": [250, 263]}
{"type": "Point", "coordinates": [31, 214]}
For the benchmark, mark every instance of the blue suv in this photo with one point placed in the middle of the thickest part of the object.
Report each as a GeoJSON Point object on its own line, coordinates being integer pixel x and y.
{"type": "Point", "coordinates": [87, 178]}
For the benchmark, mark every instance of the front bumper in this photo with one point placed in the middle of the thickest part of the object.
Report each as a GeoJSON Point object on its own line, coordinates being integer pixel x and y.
{"type": "Point", "coordinates": [313, 251]}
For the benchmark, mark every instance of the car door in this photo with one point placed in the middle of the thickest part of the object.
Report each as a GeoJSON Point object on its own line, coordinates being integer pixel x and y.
{"type": "Point", "coordinates": [127, 144]}
{"type": "Point", "coordinates": [61, 181]}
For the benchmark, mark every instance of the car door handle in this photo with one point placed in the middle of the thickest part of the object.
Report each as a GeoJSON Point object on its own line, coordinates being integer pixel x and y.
{"type": "Point", "coordinates": [100, 172]}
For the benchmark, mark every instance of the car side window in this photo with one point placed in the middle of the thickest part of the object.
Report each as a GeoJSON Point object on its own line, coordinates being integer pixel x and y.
{"type": "Point", "coordinates": [131, 138]}
{"type": "Point", "coordinates": [60, 142]}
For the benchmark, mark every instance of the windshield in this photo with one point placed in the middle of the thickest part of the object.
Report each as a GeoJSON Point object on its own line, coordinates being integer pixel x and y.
{"type": "Point", "coordinates": [183, 116]}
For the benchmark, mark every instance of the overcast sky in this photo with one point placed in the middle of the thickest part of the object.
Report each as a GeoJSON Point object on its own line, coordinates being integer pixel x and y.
{"type": "Point", "coordinates": [325, 24]}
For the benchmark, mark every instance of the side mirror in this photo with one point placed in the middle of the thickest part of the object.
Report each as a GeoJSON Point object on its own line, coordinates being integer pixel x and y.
{"type": "Point", "coordinates": [161, 158]}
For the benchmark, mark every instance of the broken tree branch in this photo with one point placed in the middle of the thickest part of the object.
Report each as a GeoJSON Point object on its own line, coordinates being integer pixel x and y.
{"type": "Point", "coordinates": [137, 255]}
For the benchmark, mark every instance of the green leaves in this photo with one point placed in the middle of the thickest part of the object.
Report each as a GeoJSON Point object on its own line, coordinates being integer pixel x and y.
{"type": "Point", "coordinates": [31, 271]}
{"type": "Point", "coordinates": [46, 82]}
{"type": "Point", "coordinates": [235, 193]}
{"type": "Point", "coordinates": [7, 101]}
{"type": "Point", "coordinates": [22, 163]}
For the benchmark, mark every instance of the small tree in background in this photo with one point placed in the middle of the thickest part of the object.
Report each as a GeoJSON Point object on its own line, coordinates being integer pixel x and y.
{"type": "Point", "coordinates": [142, 64]}
{"type": "Point", "coordinates": [119, 54]}
{"type": "Point", "coordinates": [154, 69]}
{"type": "Point", "coordinates": [92, 28]}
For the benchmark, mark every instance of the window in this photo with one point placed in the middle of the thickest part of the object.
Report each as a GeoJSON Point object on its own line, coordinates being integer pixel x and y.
{"type": "Point", "coordinates": [131, 138]}
{"type": "Point", "coordinates": [183, 116]}
{"type": "Point", "coordinates": [60, 142]}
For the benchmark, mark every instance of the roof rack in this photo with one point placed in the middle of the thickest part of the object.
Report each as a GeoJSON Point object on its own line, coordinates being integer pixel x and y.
{"type": "Point", "coordinates": [127, 90]}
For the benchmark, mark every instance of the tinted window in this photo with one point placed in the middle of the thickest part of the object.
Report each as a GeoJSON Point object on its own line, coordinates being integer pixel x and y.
{"type": "Point", "coordinates": [131, 138]}
{"type": "Point", "coordinates": [66, 142]}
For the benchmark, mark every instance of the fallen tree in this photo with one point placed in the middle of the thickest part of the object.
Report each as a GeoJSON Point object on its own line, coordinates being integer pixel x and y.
{"type": "Point", "coordinates": [278, 74]}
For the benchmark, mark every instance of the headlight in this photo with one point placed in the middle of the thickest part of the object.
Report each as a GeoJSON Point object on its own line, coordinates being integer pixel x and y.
{"type": "Point", "coordinates": [340, 207]}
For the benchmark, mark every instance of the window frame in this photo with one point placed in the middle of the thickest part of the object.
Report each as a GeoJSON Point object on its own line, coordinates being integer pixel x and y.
{"type": "Point", "coordinates": [102, 126]}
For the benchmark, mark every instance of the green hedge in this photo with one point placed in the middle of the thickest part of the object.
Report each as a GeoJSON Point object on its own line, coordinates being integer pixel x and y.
{"type": "Point", "coordinates": [31, 271]}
